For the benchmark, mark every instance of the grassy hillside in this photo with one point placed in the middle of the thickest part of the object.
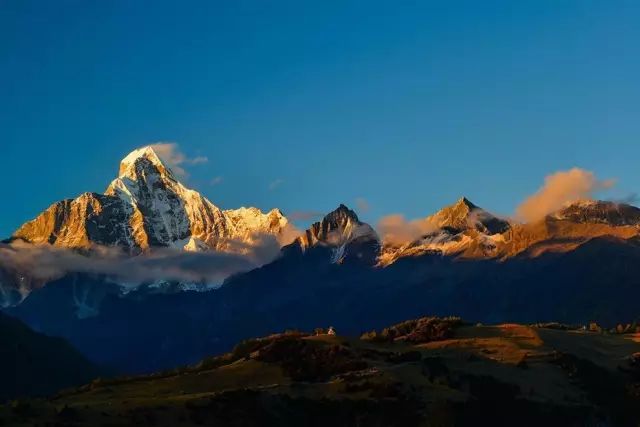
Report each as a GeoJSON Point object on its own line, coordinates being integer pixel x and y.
{"type": "Point", "coordinates": [35, 364]}
{"type": "Point", "coordinates": [429, 372]}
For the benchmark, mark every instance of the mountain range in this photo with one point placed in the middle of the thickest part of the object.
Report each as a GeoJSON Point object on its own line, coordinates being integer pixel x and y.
{"type": "Point", "coordinates": [144, 209]}
{"type": "Point", "coordinates": [577, 264]}
{"type": "Point", "coordinates": [147, 207]}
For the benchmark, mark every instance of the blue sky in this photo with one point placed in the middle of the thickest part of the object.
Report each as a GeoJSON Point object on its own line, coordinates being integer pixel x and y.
{"type": "Point", "coordinates": [408, 105]}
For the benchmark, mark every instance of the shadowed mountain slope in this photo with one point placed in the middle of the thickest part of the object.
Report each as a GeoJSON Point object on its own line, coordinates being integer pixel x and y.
{"type": "Point", "coordinates": [35, 364]}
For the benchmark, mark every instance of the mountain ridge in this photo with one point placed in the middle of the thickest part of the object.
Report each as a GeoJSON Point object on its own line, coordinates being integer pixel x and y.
{"type": "Point", "coordinates": [146, 207]}
{"type": "Point", "coordinates": [555, 269]}
{"type": "Point", "coordinates": [342, 232]}
{"type": "Point", "coordinates": [468, 231]}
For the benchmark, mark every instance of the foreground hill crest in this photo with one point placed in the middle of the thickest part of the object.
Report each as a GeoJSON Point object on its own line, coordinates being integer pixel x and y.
{"type": "Point", "coordinates": [146, 206]}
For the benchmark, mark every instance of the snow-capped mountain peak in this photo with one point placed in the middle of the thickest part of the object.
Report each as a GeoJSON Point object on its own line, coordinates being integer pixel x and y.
{"type": "Point", "coordinates": [144, 158]}
{"type": "Point", "coordinates": [463, 215]}
{"type": "Point", "coordinates": [462, 227]}
{"type": "Point", "coordinates": [337, 227]}
{"type": "Point", "coordinates": [145, 207]}
{"type": "Point", "coordinates": [342, 232]}
{"type": "Point", "coordinates": [599, 212]}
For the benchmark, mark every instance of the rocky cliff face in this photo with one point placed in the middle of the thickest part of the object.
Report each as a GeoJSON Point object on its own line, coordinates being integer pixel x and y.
{"type": "Point", "coordinates": [76, 223]}
{"type": "Point", "coordinates": [344, 235]}
{"type": "Point", "coordinates": [147, 207]}
{"type": "Point", "coordinates": [599, 212]}
{"type": "Point", "coordinates": [464, 215]}
{"type": "Point", "coordinates": [467, 231]}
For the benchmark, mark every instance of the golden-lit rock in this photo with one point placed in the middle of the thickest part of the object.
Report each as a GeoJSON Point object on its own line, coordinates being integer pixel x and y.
{"type": "Point", "coordinates": [145, 207]}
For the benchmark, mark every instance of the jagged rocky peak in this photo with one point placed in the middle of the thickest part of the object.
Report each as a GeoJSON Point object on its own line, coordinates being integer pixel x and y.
{"type": "Point", "coordinates": [140, 161]}
{"type": "Point", "coordinates": [464, 215]}
{"type": "Point", "coordinates": [599, 212]}
{"type": "Point", "coordinates": [141, 170]}
{"type": "Point", "coordinates": [340, 217]}
{"type": "Point", "coordinates": [89, 218]}
{"type": "Point", "coordinates": [164, 212]}
{"type": "Point", "coordinates": [336, 228]}
{"type": "Point", "coordinates": [455, 215]}
{"type": "Point", "coordinates": [145, 207]}
{"type": "Point", "coordinates": [341, 231]}
{"type": "Point", "coordinates": [462, 228]}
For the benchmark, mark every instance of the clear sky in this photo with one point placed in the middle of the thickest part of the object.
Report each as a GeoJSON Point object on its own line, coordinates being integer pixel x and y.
{"type": "Point", "coordinates": [305, 104]}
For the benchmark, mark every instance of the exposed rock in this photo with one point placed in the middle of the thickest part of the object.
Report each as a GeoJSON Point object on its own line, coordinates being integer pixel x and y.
{"type": "Point", "coordinates": [344, 234]}
{"type": "Point", "coordinates": [467, 231]}
{"type": "Point", "coordinates": [146, 207]}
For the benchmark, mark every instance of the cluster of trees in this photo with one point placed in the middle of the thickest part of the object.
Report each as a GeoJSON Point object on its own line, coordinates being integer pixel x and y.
{"type": "Point", "coordinates": [620, 328]}
{"type": "Point", "coordinates": [424, 329]}
{"type": "Point", "coordinates": [245, 348]}
{"type": "Point", "coordinates": [627, 328]}
{"type": "Point", "coordinates": [311, 360]}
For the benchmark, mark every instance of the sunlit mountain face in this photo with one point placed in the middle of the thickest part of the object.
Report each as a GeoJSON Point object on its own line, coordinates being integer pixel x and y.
{"type": "Point", "coordinates": [252, 213]}
{"type": "Point", "coordinates": [467, 231]}
{"type": "Point", "coordinates": [148, 232]}
{"type": "Point", "coordinates": [147, 207]}
{"type": "Point", "coordinates": [135, 233]}
{"type": "Point", "coordinates": [146, 211]}
{"type": "Point", "coordinates": [152, 274]}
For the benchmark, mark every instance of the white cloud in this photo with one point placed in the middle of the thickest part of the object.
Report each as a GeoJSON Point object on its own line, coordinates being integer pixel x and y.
{"type": "Point", "coordinates": [396, 230]}
{"type": "Point", "coordinates": [170, 153]}
{"type": "Point", "coordinates": [46, 262]}
{"type": "Point", "coordinates": [560, 188]}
